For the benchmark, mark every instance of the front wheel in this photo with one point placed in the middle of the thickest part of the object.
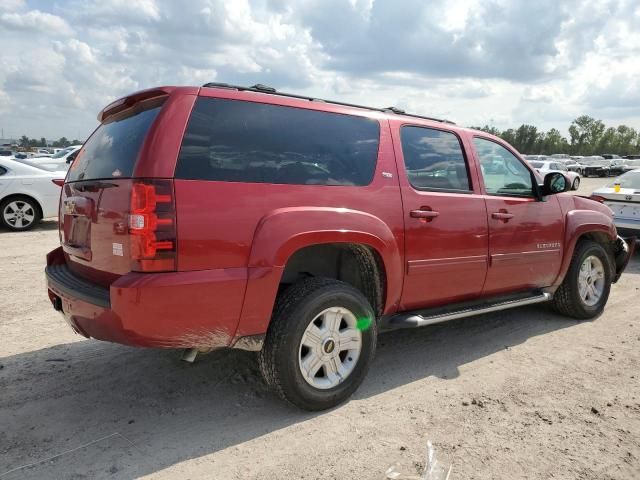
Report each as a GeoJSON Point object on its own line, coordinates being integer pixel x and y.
{"type": "Point", "coordinates": [576, 184]}
{"type": "Point", "coordinates": [585, 289]}
{"type": "Point", "coordinates": [320, 343]}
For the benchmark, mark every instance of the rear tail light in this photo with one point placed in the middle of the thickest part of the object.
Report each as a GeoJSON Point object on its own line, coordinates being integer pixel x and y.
{"type": "Point", "coordinates": [58, 181]}
{"type": "Point", "coordinates": [152, 226]}
{"type": "Point", "coordinates": [597, 198]}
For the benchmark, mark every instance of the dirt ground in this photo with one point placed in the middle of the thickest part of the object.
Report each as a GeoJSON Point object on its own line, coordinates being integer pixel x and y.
{"type": "Point", "coordinates": [517, 394]}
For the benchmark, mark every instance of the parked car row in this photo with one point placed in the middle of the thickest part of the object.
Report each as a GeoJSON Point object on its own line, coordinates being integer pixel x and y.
{"type": "Point", "coordinates": [606, 165]}
{"type": "Point", "coordinates": [547, 166]}
{"type": "Point", "coordinates": [61, 160]}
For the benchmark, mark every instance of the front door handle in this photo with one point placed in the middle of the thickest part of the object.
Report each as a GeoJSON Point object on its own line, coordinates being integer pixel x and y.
{"type": "Point", "coordinates": [424, 214]}
{"type": "Point", "coordinates": [502, 215]}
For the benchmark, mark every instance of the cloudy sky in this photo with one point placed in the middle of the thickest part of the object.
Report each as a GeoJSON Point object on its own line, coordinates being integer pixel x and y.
{"type": "Point", "coordinates": [476, 62]}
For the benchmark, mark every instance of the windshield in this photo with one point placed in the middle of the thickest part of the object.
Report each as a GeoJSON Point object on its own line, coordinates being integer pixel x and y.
{"type": "Point", "coordinates": [537, 164]}
{"type": "Point", "coordinates": [112, 150]}
{"type": "Point", "coordinates": [61, 153]}
{"type": "Point", "coordinates": [628, 180]}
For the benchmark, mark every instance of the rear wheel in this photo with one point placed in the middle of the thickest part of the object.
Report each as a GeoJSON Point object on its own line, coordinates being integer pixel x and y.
{"type": "Point", "coordinates": [576, 183]}
{"type": "Point", "coordinates": [19, 213]}
{"type": "Point", "coordinates": [320, 343]}
{"type": "Point", "coordinates": [585, 289]}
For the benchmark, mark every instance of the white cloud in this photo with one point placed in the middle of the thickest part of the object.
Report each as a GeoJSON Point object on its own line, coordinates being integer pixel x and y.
{"type": "Point", "coordinates": [501, 62]}
{"type": "Point", "coordinates": [35, 20]}
{"type": "Point", "coordinates": [12, 5]}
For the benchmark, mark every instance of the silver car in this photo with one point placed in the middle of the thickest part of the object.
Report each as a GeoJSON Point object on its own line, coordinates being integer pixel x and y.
{"type": "Point", "coordinates": [625, 203]}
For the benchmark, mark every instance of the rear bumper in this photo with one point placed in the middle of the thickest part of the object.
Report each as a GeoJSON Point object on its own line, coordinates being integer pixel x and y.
{"type": "Point", "coordinates": [627, 224]}
{"type": "Point", "coordinates": [170, 310]}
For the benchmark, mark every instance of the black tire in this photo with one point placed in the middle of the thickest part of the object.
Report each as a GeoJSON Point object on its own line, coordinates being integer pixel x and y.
{"type": "Point", "coordinates": [295, 308]}
{"type": "Point", "coordinates": [567, 300]}
{"type": "Point", "coordinates": [576, 183]}
{"type": "Point", "coordinates": [32, 206]}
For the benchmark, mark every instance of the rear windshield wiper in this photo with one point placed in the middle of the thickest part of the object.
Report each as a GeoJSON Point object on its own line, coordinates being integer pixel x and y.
{"type": "Point", "coordinates": [93, 186]}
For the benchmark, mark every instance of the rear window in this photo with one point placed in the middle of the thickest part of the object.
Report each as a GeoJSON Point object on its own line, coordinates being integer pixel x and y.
{"type": "Point", "coordinates": [434, 159]}
{"type": "Point", "coordinates": [628, 180]}
{"type": "Point", "coordinates": [112, 150]}
{"type": "Point", "coordinates": [237, 141]}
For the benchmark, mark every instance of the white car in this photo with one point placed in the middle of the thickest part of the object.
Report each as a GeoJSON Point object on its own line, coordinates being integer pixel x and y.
{"type": "Point", "coordinates": [625, 202]}
{"type": "Point", "coordinates": [58, 161]}
{"type": "Point", "coordinates": [28, 193]}
{"type": "Point", "coordinates": [557, 166]}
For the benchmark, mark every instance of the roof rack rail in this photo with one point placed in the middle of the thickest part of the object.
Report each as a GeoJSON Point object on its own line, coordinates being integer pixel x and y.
{"type": "Point", "coordinates": [259, 88]}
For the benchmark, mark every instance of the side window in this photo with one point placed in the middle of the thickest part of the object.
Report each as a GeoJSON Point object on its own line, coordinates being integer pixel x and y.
{"type": "Point", "coordinates": [502, 172]}
{"type": "Point", "coordinates": [2, 171]}
{"type": "Point", "coordinates": [434, 159]}
{"type": "Point", "coordinates": [238, 141]}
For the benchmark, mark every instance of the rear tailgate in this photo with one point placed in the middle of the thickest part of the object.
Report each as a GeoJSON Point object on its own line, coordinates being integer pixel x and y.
{"type": "Point", "coordinates": [96, 198]}
{"type": "Point", "coordinates": [624, 204]}
{"type": "Point", "coordinates": [94, 228]}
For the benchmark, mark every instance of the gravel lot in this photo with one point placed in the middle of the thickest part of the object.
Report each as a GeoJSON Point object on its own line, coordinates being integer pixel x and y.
{"type": "Point", "coordinates": [517, 394]}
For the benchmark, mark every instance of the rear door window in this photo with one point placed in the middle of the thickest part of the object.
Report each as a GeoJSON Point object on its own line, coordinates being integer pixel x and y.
{"type": "Point", "coordinates": [434, 159]}
{"type": "Point", "coordinates": [112, 150]}
{"type": "Point", "coordinates": [238, 141]}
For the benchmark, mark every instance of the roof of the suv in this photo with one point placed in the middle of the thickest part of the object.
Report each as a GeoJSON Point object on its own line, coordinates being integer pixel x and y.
{"type": "Point", "coordinates": [287, 98]}
{"type": "Point", "coordinates": [259, 88]}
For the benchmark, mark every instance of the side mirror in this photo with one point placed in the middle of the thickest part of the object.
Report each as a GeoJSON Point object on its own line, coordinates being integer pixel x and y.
{"type": "Point", "coordinates": [555, 182]}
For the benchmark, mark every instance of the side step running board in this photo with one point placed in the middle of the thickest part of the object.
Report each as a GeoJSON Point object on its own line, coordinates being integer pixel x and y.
{"type": "Point", "coordinates": [412, 320]}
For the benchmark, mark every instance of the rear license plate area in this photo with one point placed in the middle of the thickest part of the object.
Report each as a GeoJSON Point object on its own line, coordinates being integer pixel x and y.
{"type": "Point", "coordinates": [625, 210]}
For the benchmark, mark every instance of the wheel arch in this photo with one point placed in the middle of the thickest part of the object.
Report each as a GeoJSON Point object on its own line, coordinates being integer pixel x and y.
{"type": "Point", "coordinates": [283, 234]}
{"type": "Point", "coordinates": [584, 225]}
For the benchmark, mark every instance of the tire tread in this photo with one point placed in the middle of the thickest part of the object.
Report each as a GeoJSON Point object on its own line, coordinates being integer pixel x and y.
{"type": "Point", "coordinates": [280, 328]}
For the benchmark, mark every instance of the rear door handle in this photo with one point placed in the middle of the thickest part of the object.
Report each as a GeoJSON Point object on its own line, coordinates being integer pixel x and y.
{"type": "Point", "coordinates": [502, 215]}
{"type": "Point", "coordinates": [427, 215]}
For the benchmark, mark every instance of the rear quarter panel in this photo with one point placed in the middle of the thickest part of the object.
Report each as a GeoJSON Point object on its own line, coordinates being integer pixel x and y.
{"type": "Point", "coordinates": [228, 224]}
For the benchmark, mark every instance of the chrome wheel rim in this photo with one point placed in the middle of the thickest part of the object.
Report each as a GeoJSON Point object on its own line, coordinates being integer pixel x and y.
{"type": "Point", "coordinates": [330, 348]}
{"type": "Point", "coordinates": [19, 214]}
{"type": "Point", "coordinates": [591, 280]}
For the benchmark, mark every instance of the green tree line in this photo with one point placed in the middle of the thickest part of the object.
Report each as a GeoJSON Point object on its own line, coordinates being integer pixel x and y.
{"type": "Point", "coordinates": [587, 136]}
{"type": "Point", "coordinates": [62, 142]}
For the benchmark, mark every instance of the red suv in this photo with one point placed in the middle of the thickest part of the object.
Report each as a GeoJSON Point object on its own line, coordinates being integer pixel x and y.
{"type": "Point", "coordinates": [222, 216]}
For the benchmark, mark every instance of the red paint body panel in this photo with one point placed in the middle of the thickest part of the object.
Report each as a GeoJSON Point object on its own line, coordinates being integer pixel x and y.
{"type": "Point", "coordinates": [234, 239]}
{"type": "Point", "coordinates": [525, 251]}
{"type": "Point", "coordinates": [92, 221]}
{"type": "Point", "coordinates": [157, 158]}
{"type": "Point", "coordinates": [172, 310]}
